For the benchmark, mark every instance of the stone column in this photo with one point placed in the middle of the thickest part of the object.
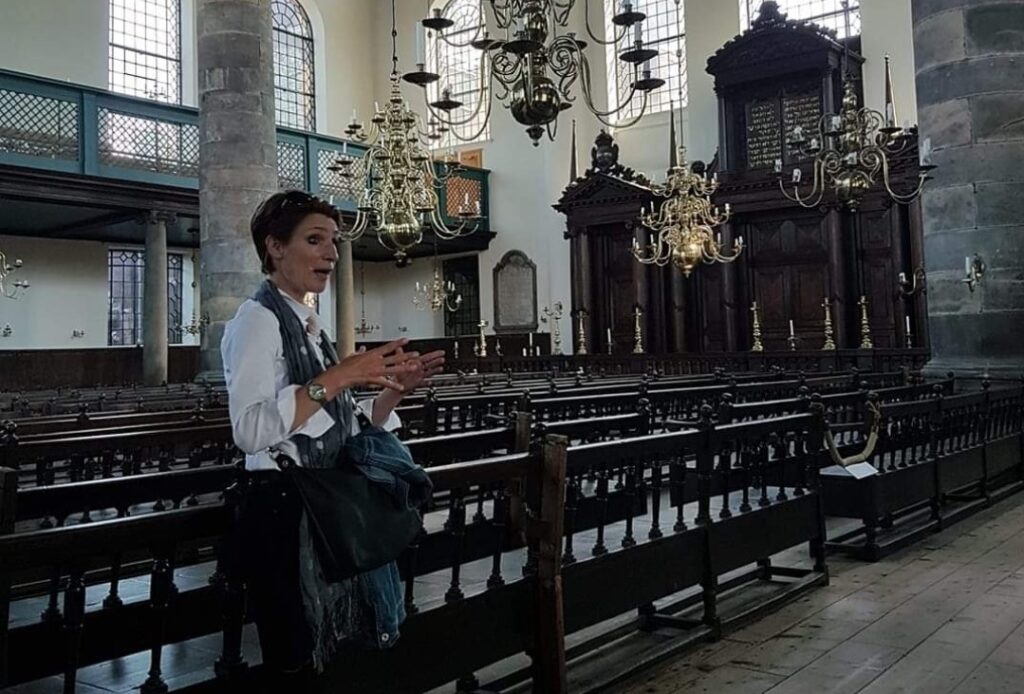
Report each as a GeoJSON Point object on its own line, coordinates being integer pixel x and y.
{"type": "Point", "coordinates": [237, 156]}
{"type": "Point", "coordinates": [344, 301]}
{"type": "Point", "coordinates": [154, 301]}
{"type": "Point", "coordinates": [970, 94]}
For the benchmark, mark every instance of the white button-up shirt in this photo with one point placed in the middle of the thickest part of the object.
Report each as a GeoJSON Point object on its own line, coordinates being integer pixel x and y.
{"type": "Point", "coordinates": [261, 398]}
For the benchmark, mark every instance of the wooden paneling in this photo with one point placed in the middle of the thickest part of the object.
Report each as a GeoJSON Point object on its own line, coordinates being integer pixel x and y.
{"type": "Point", "coordinates": [79, 368]}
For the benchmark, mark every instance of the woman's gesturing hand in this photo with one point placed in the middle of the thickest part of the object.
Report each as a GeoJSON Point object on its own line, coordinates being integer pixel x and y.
{"type": "Point", "coordinates": [426, 366]}
{"type": "Point", "coordinates": [383, 366]}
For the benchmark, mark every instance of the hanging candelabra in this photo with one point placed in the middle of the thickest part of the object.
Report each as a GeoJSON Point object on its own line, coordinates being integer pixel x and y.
{"type": "Point", "coordinates": [533, 66]}
{"type": "Point", "coordinates": [8, 288]}
{"type": "Point", "coordinates": [438, 294]}
{"type": "Point", "coordinates": [682, 227]}
{"type": "Point", "coordinates": [852, 150]}
{"type": "Point", "coordinates": [364, 328]}
{"type": "Point", "coordinates": [400, 198]}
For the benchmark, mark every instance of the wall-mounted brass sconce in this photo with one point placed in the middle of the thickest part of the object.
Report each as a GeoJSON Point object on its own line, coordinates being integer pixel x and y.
{"type": "Point", "coordinates": [974, 271]}
{"type": "Point", "coordinates": [915, 285]}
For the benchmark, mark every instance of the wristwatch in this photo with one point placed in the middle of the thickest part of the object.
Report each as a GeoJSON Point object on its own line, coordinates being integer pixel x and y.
{"type": "Point", "coordinates": [317, 392]}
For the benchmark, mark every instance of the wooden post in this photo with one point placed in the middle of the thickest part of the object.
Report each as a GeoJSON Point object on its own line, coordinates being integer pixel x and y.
{"type": "Point", "coordinates": [515, 528]}
{"type": "Point", "coordinates": [549, 643]}
{"type": "Point", "coordinates": [8, 496]}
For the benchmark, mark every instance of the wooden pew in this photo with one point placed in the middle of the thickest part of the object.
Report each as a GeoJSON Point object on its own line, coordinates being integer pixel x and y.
{"type": "Point", "coordinates": [937, 460]}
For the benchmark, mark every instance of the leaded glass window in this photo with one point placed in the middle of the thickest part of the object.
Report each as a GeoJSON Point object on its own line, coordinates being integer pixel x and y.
{"type": "Point", "coordinates": [463, 71]}
{"type": "Point", "coordinates": [144, 57]}
{"type": "Point", "coordinates": [826, 13]}
{"type": "Point", "coordinates": [294, 89]}
{"type": "Point", "coordinates": [174, 299]}
{"type": "Point", "coordinates": [664, 29]}
{"type": "Point", "coordinates": [464, 273]}
{"type": "Point", "coordinates": [126, 269]}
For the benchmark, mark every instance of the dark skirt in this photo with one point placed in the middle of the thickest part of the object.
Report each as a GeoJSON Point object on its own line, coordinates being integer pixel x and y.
{"type": "Point", "coordinates": [270, 564]}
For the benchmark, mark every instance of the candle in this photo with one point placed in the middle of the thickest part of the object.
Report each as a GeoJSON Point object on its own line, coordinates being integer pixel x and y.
{"type": "Point", "coordinates": [903, 278]}
{"type": "Point", "coordinates": [344, 148]}
{"type": "Point", "coordinates": [908, 324]}
{"type": "Point", "coordinates": [609, 333]}
{"type": "Point", "coordinates": [967, 266]}
{"type": "Point", "coordinates": [465, 199]}
{"type": "Point", "coordinates": [376, 106]}
{"type": "Point", "coordinates": [530, 337]}
{"type": "Point", "coordinates": [796, 175]}
{"type": "Point", "coordinates": [791, 327]}
{"type": "Point", "coordinates": [524, 351]}
{"type": "Point", "coordinates": [890, 113]}
{"type": "Point", "coordinates": [421, 49]}
{"type": "Point", "coordinates": [638, 36]}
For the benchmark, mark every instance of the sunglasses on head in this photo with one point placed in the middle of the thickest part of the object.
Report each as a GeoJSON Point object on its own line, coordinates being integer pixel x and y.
{"type": "Point", "coordinates": [298, 198]}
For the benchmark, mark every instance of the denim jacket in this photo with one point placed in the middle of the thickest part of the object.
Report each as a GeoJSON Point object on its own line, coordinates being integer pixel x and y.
{"type": "Point", "coordinates": [385, 460]}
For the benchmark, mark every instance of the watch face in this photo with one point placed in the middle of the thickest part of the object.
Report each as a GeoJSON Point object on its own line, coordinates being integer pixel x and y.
{"type": "Point", "coordinates": [316, 392]}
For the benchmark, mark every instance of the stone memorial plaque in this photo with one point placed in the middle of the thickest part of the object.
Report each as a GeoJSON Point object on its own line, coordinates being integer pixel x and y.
{"type": "Point", "coordinates": [515, 294]}
{"type": "Point", "coordinates": [764, 135]}
{"type": "Point", "coordinates": [800, 109]}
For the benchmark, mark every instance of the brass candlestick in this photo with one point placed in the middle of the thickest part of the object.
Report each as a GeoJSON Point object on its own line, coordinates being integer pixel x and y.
{"type": "Point", "coordinates": [830, 343]}
{"type": "Point", "coordinates": [553, 315]}
{"type": "Point", "coordinates": [638, 335]}
{"type": "Point", "coordinates": [865, 326]}
{"type": "Point", "coordinates": [757, 346]}
{"type": "Point", "coordinates": [480, 349]}
{"type": "Point", "coordinates": [581, 335]}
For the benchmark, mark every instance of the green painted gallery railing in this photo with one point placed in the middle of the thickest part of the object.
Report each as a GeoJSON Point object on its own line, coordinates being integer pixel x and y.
{"type": "Point", "coordinates": [57, 126]}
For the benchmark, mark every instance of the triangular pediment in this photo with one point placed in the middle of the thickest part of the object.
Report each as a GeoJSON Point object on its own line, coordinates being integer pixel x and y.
{"type": "Point", "coordinates": [600, 189]}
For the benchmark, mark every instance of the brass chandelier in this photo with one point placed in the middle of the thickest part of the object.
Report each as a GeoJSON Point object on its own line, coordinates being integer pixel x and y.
{"type": "Point", "coordinates": [683, 226]}
{"type": "Point", "coordinates": [852, 150]}
{"type": "Point", "coordinates": [400, 198]}
{"type": "Point", "coordinates": [9, 289]}
{"type": "Point", "coordinates": [531, 69]}
{"type": "Point", "coordinates": [438, 294]}
{"type": "Point", "coordinates": [364, 328]}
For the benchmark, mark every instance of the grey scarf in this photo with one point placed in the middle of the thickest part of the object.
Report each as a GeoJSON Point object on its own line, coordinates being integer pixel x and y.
{"type": "Point", "coordinates": [333, 610]}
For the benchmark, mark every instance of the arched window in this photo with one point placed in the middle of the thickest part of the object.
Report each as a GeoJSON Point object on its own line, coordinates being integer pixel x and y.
{"type": "Point", "coordinates": [826, 13]}
{"type": "Point", "coordinates": [294, 91]}
{"type": "Point", "coordinates": [462, 69]}
{"type": "Point", "coordinates": [144, 56]}
{"type": "Point", "coordinates": [664, 29]}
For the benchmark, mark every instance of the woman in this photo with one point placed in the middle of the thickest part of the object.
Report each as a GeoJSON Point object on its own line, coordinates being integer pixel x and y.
{"type": "Point", "coordinates": [289, 397]}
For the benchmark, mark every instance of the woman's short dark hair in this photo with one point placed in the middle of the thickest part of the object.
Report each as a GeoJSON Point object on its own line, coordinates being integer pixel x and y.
{"type": "Point", "coordinates": [278, 216]}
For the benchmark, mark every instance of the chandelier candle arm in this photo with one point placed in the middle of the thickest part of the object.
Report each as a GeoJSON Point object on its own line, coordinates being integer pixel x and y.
{"type": "Point", "coordinates": [9, 289]}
